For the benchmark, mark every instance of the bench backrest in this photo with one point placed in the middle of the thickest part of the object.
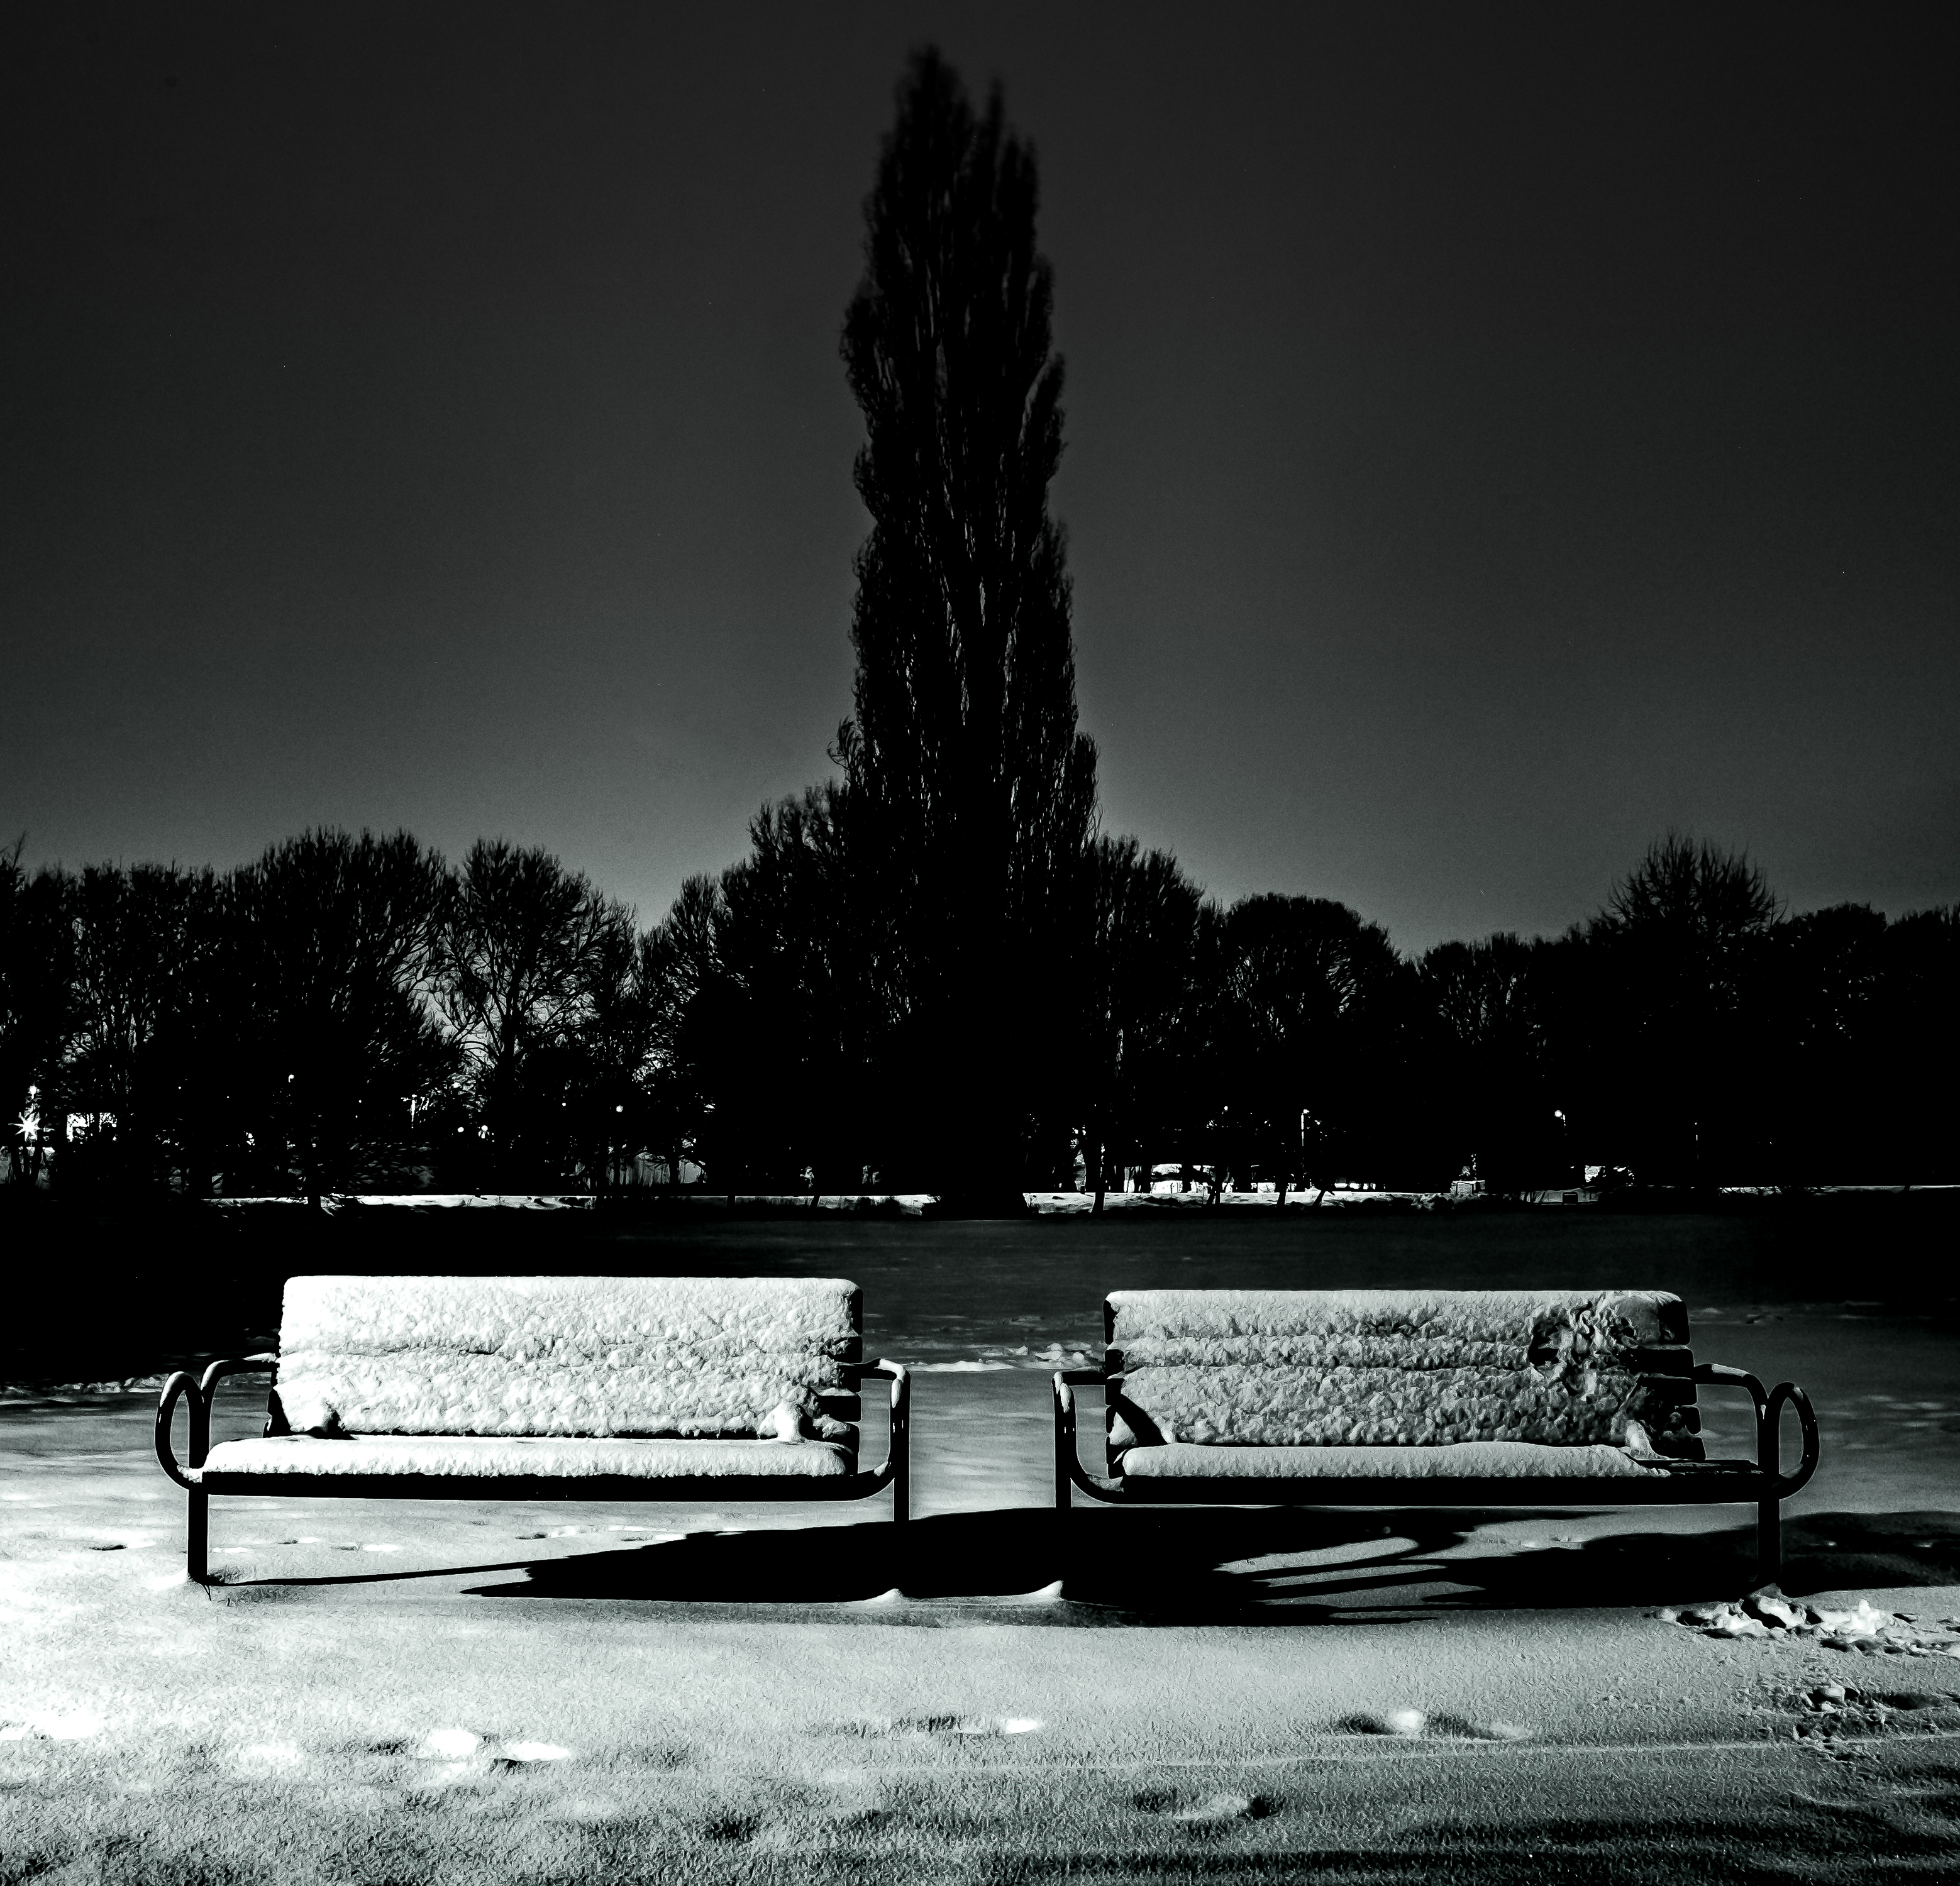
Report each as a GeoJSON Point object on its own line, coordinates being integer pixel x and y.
{"type": "Point", "coordinates": [1400, 1368]}
{"type": "Point", "coordinates": [567, 1355]}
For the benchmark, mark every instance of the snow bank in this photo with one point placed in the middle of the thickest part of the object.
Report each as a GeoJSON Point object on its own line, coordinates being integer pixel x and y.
{"type": "Point", "coordinates": [1467, 1460]}
{"type": "Point", "coordinates": [1401, 1368]}
{"type": "Point", "coordinates": [488, 1457]}
{"type": "Point", "coordinates": [520, 1355]}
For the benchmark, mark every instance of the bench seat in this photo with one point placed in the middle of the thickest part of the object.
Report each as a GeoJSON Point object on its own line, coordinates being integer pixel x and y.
{"type": "Point", "coordinates": [239, 1466]}
{"type": "Point", "coordinates": [1463, 1460]}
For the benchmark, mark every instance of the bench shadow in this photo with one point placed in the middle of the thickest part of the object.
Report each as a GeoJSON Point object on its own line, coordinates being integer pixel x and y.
{"type": "Point", "coordinates": [1230, 1566]}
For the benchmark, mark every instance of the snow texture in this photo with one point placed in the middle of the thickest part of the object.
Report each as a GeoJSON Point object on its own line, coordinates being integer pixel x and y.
{"type": "Point", "coordinates": [1401, 1369]}
{"type": "Point", "coordinates": [521, 1356]}
{"type": "Point", "coordinates": [1188, 1325]}
{"type": "Point", "coordinates": [477, 1456]}
{"type": "Point", "coordinates": [1466, 1460]}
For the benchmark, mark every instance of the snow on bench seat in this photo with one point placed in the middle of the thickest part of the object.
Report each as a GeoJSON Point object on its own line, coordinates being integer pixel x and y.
{"type": "Point", "coordinates": [495, 1387]}
{"type": "Point", "coordinates": [498, 1456]}
{"type": "Point", "coordinates": [1467, 1460]}
{"type": "Point", "coordinates": [707, 1357]}
{"type": "Point", "coordinates": [1418, 1397]}
{"type": "Point", "coordinates": [1396, 1370]}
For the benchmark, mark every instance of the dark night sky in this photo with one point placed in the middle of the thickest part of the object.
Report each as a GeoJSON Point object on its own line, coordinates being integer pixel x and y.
{"type": "Point", "coordinates": [1494, 437]}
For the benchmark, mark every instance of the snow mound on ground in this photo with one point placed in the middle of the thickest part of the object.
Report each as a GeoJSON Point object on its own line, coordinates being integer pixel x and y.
{"type": "Point", "coordinates": [271, 1755]}
{"type": "Point", "coordinates": [1766, 1612]}
{"type": "Point", "coordinates": [57, 1725]}
{"type": "Point", "coordinates": [450, 1744]}
{"type": "Point", "coordinates": [565, 1356]}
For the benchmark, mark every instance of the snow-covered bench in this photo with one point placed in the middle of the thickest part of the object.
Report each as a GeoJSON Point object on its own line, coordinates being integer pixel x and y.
{"type": "Point", "coordinates": [520, 1388]}
{"type": "Point", "coordinates": [1471, 1398]}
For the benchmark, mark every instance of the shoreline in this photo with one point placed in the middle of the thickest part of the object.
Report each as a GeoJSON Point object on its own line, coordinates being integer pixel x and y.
{"type": "Point", "coordinates": [1077, 1204]}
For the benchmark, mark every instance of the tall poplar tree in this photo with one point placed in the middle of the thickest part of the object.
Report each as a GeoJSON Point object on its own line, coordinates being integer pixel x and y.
{"type": "Point", "coordinates": [971, 793]}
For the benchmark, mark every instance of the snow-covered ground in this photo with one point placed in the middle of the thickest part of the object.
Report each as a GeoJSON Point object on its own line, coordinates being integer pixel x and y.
{"type": "Point", "coordinates": [456, 1691]}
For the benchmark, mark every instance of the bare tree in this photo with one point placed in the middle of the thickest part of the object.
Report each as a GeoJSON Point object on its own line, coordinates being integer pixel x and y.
{"type": "Point", "coordinates": [520, 966]}
{"type": "Point", "coordinates": [1681, 938]}
{"type": "Point", "coordinates": [1305, 977]}
{"type": "Point", "coordinates": [1137, 994]}
{"type": "Point", "coordinates": [36, 966]}
{"type": "Point", "coordinates": [148, 946]}
{"type": "Point", "coordinates": [1492, 1003]}
{"type": "Point", "coordinates": [685, 965]}
{"type": "Point", "coordinates": [335, 938]}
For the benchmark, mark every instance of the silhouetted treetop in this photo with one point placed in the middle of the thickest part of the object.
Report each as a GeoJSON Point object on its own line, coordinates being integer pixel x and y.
{"type": "Point", "coordinates": [970, 792]}
{"type": "Point", "coordinates": [1696, 892]}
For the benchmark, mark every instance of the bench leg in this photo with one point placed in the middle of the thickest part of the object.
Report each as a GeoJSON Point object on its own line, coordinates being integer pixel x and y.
{"type": "Point", "coordinates": [902, 1491]}
{"type": "Point", "coordinates": [1769, 1542]}
{"type": "Point", "coordinates": [197, 1539]}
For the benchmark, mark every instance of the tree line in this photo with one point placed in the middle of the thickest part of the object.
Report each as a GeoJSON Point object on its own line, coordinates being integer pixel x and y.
{"type": "Point", "coordinates": [353, 1013]}
{"type": "Point", "coordinates": [934, 972]}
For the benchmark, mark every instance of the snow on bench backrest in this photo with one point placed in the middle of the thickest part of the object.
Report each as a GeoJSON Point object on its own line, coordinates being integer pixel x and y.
{"type": "Point", "coordinates": [569, 1356]}
{"type": "Point", "coordinates": [1401, 1368]}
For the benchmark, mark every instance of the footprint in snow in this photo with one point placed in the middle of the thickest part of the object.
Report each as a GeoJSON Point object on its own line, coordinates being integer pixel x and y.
{"type": "Point", "coordinates": [941, 1725]}
{"type": "Point", "coordinates": [1406, 1722]}
{"type": "Point", "coordinates": [1411, 1725]}
{"type": "Point", "coordinates": [1214, 1811]}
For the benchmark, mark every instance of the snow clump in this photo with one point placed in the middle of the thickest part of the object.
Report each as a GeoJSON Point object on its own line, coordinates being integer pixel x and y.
{"type": "Point", "coordinates": [1864, 1629]}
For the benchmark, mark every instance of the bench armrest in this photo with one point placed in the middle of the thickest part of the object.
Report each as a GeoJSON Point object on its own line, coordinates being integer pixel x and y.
{"type": "Point", "coordinates": [1769, 1405]}
{"type": "Point", "coordinates": [897, 1459]}
{"type": "Point", "coordinates": [896, 1374]}
{"type": "Point", "coordinates": [1068, 1468]}
{"type": "Point", "coordinates": [198, 1393]}
{"type": "Point", "coordinates": [1715, 1374]}
{"type": "Point", "coordinates": [182, 1383]}
{"type": "Point", "coordinates": [236, 1366]}
{"type": "Point", "coordinates": [1769, 1440]}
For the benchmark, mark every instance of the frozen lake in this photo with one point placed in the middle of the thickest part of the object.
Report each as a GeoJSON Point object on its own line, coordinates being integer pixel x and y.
{"type": "Point", "coordinates": [982, 1313]}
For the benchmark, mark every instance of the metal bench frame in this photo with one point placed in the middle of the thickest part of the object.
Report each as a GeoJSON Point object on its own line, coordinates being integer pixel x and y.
{"type": "Point", "coordinates": [718, 1489]}
{"type": "Point", "coordinates": [1761, 1482]}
